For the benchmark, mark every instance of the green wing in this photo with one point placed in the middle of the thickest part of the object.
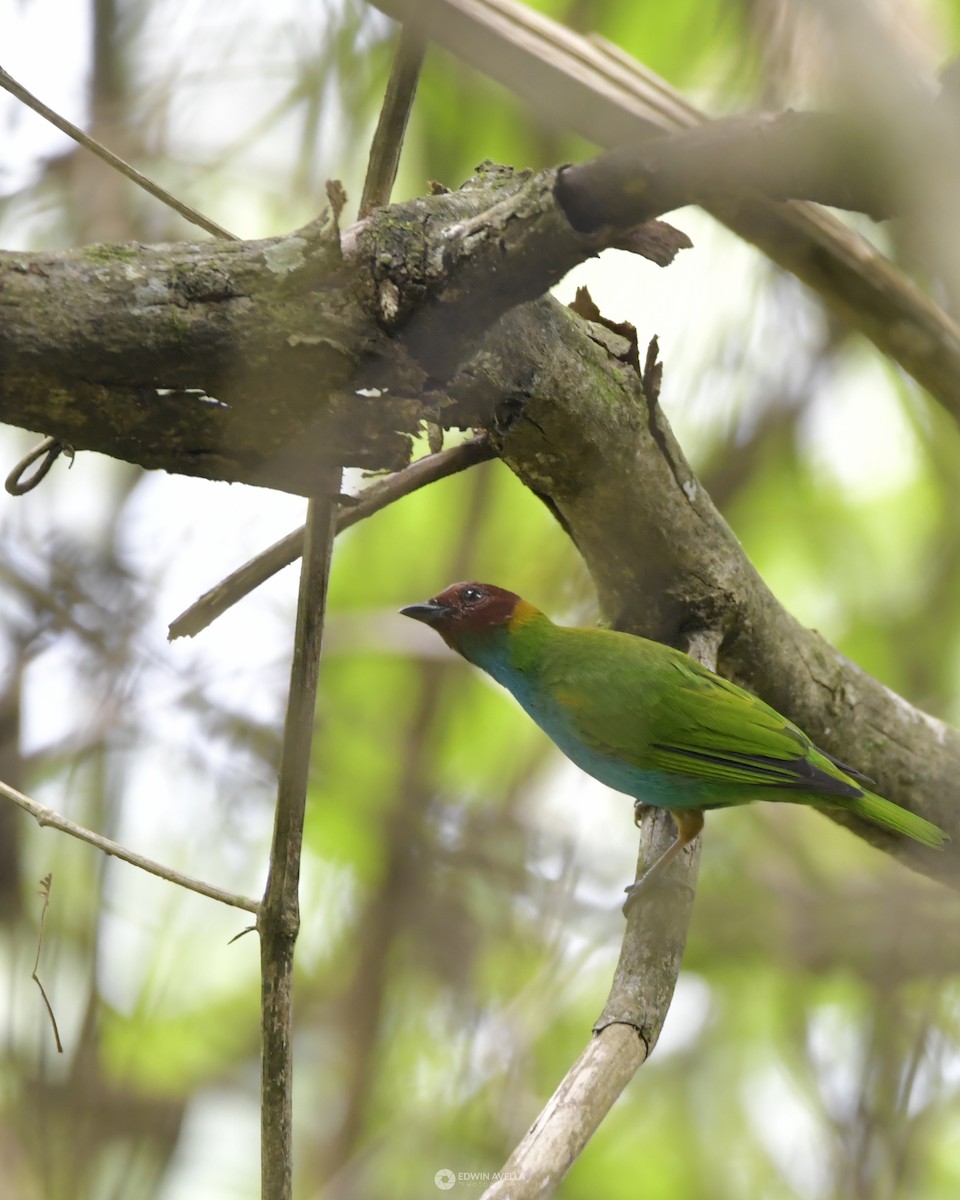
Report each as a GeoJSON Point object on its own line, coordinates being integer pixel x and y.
{"type": "Point", "coordinates": [721, 733]}
{"type": "Point", "coordinates": [657, 709]}
{"type": "Point", "coordinates": [677, 735]}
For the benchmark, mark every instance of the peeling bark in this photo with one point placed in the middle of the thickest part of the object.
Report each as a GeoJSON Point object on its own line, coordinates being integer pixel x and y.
{"type": "Point", "coordinates": [281, 336]}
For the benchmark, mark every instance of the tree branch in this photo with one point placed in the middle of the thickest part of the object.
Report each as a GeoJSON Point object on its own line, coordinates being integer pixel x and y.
{"type": "Point", "coordinates": [215, 602]}
{"type": "Point", "coordinates": [9, 84]}
{"type": "Point", "coordinates": [392, 125]}
{"type": "Point", "coordinates": [594, 88]}
{"type": "Point", "coordinates": [256, 360]}
{"type": "Point", "coordinates": [570, 1117]}
{"type": "Point", "coordinates": [279, 919]}
{"type": "Point", "coordinates": [668, 566]}
{"type": "Point", "coordinates": [227, 360]}
{"type": "Point", "coordinates": [832, 158]}
{"type": "Point", "coordinates": [47, 816]}
{"type": "Point", "coordinates": [253, 361]}
{"type": "Point", "coordinates": [625, 1032]}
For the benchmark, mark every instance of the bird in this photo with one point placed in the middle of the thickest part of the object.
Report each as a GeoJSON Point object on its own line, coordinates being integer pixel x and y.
{"type": "Point", "coordinates": [649, 721]}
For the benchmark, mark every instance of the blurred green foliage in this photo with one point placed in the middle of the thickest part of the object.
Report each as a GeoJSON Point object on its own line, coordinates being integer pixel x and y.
{"type": "Point", "coordinates": [461, 885]}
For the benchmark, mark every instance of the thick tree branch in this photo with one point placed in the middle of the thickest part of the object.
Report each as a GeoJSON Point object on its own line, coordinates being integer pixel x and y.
{"type": "Point", "coordinates": [228, 360]}
{"type": "Point", "coordinates": [587, 85]}
{"type": "Point", "coordinates": [445, 268]}
{"type": "Point", "coordinates": [255, 361]}
{"type": "Point", "coordinates": [668, 566]}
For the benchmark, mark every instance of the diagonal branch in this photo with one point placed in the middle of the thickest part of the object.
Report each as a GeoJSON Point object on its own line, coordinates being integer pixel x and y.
{"type": "Point", "coordinates": [241, 582]}
{"type": "Point", "coordinates": [667, 565]}
{"type": "Point", "coordinates": [625, 1032]}
{"type": "Point", "coordinates": [9, 84]}
{"type": "Point", "coordinates": [392, 125]}
{"type": "Point", "coordinates": [47, 816]}
{"type": "Point", "coordinates": [594, 88]}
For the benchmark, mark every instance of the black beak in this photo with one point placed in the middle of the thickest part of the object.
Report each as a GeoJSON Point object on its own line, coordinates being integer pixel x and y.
{"type": "Point", "coordinates": [430, 613]}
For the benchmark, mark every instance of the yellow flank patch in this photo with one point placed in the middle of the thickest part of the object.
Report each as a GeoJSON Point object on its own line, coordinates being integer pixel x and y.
{"type": "Point", "coordinates": [571, 699]}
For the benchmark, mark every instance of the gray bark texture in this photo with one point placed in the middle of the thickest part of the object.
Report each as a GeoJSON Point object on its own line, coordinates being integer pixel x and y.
{"type": "Point", "coordinates": [263, 361]}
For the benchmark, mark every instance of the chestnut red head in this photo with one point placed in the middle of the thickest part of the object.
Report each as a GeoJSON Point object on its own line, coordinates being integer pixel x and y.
{"type": "Point", "coordinates": [466, 608]}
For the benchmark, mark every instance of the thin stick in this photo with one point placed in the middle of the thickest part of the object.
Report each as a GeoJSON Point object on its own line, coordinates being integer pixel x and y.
{"type": "Point", "coordinates": [397, 103]}
{"type": "Point", "coordinates": [45, 883]}
{"type": "Point", "coordinates": [196, 218]}
{"type": "Point", "coordinates": [47, 816]}
{"type": "Point", "coordinates": [245, 579]}
{"type": "Point", "coordinates": [279, 920]}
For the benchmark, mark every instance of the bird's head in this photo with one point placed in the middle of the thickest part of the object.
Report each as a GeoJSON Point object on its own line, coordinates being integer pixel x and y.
{"type": "Point", "coordinates": [466, 613]}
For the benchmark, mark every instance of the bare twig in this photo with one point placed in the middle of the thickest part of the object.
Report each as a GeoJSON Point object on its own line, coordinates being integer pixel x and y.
{"type": "Point", "coordinates": [45, 883]}
{"type": "Point", "coordinates": [240, 583]}
{"type": "Point", "coordinates": [397, 103]}
{"type": "Point", "coordinates": [46, 816]}
{"type": "Point", "coordinates": [279, 919]}
{"type": "Point", "coordinates": [142, 181]}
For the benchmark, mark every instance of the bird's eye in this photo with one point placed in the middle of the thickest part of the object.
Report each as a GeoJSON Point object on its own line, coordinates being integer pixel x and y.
{"type": "Point", "coordinates": [472, 595]}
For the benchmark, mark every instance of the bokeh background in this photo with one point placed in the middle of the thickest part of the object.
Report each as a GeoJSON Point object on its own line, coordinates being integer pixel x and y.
{"type": "Point", "coordinates": [462, 883]}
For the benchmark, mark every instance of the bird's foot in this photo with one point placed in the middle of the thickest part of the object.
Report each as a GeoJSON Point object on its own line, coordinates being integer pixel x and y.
{"type": "Point", "coordinates": [650, 883]}
{"type": "Point", "coordinates": [639, 808]}
{"type": "Point", "coordinates": [688, 826]}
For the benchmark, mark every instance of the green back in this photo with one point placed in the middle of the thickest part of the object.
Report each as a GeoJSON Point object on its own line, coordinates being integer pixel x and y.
{"type": "Point", "coordinates": [653, 707]}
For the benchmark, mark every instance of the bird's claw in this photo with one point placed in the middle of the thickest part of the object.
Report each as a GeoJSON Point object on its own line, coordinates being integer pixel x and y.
{"type": "Point", "coordinates": [633, 895]}
{"type": "Point", "coordinates": [651, 882]}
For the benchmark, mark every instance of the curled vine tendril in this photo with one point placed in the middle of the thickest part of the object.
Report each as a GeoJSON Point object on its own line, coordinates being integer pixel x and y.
{"type": "Point", "coordinates": [46, 453]}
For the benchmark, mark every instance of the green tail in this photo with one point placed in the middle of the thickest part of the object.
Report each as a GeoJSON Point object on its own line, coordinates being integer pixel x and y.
{"type": "Point", "coordinates": [885, 812]}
